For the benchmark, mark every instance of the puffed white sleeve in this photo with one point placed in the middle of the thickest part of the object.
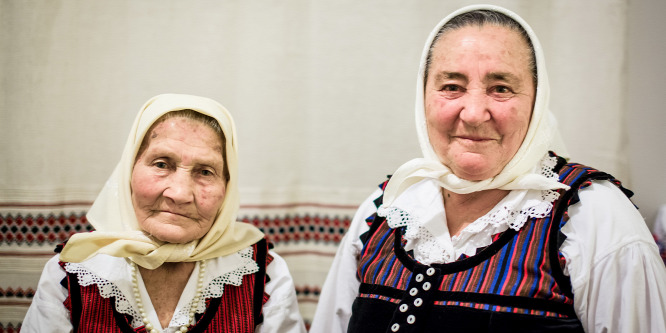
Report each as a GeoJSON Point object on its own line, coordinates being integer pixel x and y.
{"type": "Point", "coordinates": [617, 276]}
{"type": "Point", "coordinates": [281, 313]}
{"type": "Point", "coordinates": [47, 313]}
{"type": "Point", "coordinates": [341, 285]}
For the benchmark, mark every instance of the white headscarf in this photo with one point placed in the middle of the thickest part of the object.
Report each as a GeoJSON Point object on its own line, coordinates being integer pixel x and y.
{"type": "Point", "coordinates": [520, 172]}
{"type": "Point", "coordinates": [117, 232]}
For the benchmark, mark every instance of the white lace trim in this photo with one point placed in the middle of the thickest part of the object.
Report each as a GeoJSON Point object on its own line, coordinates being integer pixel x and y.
{"type": "Point", "coordinates": [214, 289]}
{"type": "Point", "coordinates": [535, 203]}
{"type": "Point", "coordinates": [106, 289]}
{"type": "Point", "coordinates": [512, 212]}
{"type": "Point", "coordinates": [427, 249]}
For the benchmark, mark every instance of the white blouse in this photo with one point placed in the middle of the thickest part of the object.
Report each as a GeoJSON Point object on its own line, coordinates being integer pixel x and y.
{"type": "Point", "coordinates": [48, 314]}
{"type": "Point", "coordinates": [617, 275]}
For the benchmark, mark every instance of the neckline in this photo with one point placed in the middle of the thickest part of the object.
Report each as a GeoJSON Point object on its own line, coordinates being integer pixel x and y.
{"type": "Point", "coordinates": [421, 203]}
{"type": "Point", "coordinates": [147, 316]}
{"type": "Point", "coordinates": [113, 279]}
{"type": "Point", "coordinates": [454, 266]}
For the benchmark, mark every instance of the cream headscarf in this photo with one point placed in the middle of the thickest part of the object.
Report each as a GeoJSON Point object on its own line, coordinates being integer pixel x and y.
{"type": "Point", "coordinates": [117, 232]}
{"type": "Point", "coordinates": [519, 173]}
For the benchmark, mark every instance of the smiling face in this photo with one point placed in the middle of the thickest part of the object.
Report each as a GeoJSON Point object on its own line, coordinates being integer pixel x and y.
{"type": "Point", "coordinates": [478, 99]}
{"type": "Point", "coordinates": [178, 183]}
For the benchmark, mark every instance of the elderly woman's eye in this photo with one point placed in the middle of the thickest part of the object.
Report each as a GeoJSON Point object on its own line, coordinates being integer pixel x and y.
{"type": "Point", "coordinates": [452, 87]}
{"type": "Point", "coordinates": [207, 172]}
{"type": "Point", "coordinates": [452, 90]}
{"type": "Point", "coordinates": [501, 90]}
{"type": "Point", "coordinates": [161, 165]}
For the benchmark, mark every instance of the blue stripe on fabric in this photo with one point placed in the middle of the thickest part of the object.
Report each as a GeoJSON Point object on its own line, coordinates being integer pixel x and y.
{"type": "Point", "coordinates": [483, 272]}
{"type": "Point", "coordinates": [534, 288]}
{"type": "Point", "coordinates": [388, 270]}
{"type": "Point", "coordinates": [374, 255]}
{"type": "Point", "coordinates": [530, 232]}
{"type": "Point", "coordinates": [469, 274]}
{"type": "Point", "coordinates": [452, 281]}
{"type": "Point", "coordinates": [509, 267]}
{"type": "Point", "coordinates": [398, 278]}
{"type": "Point", "coordinates": [499, 274]}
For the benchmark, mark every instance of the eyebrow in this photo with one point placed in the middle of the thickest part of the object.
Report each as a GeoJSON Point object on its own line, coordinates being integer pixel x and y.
{"type": "Point", "coordinates": [450, 76]}
{"type": "Point", "coordinates": [502, 76]}
{"type": "Point", "coordinates": [492, 76]}
{"type": "Point", "coordinates": [201, 160]}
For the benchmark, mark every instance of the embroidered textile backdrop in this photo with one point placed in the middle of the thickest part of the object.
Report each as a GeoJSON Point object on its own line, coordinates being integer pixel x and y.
{"type": "Point", "coordinates": [321, 91]}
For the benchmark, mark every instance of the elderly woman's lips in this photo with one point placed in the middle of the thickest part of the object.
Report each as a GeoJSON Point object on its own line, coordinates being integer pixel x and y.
{"type": "Point", "coordinates": [176, 213]}
{"type": "Point", "coordinates": [474, 139]}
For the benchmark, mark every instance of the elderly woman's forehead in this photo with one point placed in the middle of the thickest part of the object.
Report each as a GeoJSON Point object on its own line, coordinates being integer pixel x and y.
{"type": "Point", "coordinates": [192, 115]}
{"type": "Point", "coordinates": [184, 126]}
{"type": "Point", "coordinates": [176, 119]}
{"type": "Point", "coordinates": [501, 29]}
{"type": "Point", "coordinates": [510, 31]}
{"type": "Point", "coordinates": [471, 34]}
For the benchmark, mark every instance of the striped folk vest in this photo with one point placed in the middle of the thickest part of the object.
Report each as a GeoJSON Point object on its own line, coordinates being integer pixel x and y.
{"type": "Point", "coordinates": [516, 284]}
{"type": "Point", "coordinates": [238, 310]}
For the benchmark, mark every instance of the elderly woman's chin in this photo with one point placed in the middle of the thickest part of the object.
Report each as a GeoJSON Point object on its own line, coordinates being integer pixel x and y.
{"type": "Point", "coordinates": [174, 232]}
{"type": "Point", "coordinates": [476, 166]}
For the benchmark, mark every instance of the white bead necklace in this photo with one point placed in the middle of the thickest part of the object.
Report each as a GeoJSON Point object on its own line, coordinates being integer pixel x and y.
{"type": "Point", "coordinates": [193, 306]}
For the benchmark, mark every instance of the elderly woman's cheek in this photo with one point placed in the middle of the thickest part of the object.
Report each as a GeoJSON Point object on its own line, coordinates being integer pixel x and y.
{"type": "Point", "coordinates": [144, 188]}
{"type": "Point", "coordinates": [441, 113]}
{"type": "Point", "coordinates": [212, 198]}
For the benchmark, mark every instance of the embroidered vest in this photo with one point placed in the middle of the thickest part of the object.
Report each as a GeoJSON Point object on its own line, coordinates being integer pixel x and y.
{"type": "Point", "coordinates": [516, 284]}
{"type": "Point", "coordinates": [238, 310]}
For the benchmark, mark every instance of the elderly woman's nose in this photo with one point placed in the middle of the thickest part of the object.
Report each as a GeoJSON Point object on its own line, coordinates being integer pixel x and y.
{"type": "Point", "coordinates": [180, 187]}
{"type": "Point", "coordinates": [475, 108]}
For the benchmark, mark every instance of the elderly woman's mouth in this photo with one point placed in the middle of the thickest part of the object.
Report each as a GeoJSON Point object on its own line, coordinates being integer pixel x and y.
{"type": "Point", "coordinates": [474, 139]}
{"type": "Point", "coordinates": [175, 213]}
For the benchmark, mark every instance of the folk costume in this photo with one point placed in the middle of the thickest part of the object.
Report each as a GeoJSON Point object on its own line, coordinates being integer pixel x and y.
{"type": "Point", "coordinates": [565, 250]}
{"type": "Point", "coordinates": [94, 284]}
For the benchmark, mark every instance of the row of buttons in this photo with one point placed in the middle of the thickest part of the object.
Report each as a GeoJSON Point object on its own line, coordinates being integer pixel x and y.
{"type": "Point", "coordinates": [411, 319]}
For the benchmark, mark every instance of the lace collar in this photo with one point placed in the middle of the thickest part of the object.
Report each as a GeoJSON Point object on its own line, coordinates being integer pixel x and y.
{"type": "Point", "coordinates": [113, 279]}
{"type": "Point", "coordinates": [420, 210]}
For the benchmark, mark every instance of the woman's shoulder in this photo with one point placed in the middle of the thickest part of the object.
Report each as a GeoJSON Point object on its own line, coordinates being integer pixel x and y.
{"type": "Point", "coordinates": [605, 219]}
{"type": "Point", "coordinates": [366, 210]}
{"type": "Point", "coordinates": [242, 260]}
{"type": "Point", "coordinates": [579, 174]}
{"type": "Point", "coordinates": [581, 178]}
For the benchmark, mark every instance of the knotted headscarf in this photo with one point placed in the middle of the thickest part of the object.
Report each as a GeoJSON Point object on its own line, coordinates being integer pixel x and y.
{"type": "Point", "coordinates": [117, 232]}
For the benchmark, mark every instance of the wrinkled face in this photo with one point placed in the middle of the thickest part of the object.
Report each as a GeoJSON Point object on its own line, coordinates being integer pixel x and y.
{"type": "Point", "coordinates": [178, 182]}
{"type": "Point", "coordinates": [478, 99]}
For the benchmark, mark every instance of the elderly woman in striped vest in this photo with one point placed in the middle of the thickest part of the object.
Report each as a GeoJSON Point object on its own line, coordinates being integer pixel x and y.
{"type": "Point", "coordinates": [492, 231]}
{"type": "Point", "coordinates": [167, 254]}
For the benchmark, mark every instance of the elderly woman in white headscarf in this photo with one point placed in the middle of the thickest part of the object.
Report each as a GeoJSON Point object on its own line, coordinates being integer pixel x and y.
{"type": "Point", "coordinates": [491, 231]}
{"type": "Point", "coordinates": [167, 254]}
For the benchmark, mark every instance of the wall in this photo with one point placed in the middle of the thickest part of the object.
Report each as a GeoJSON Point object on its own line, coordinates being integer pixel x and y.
{"type": "Point", "coordinates": [645, 110]}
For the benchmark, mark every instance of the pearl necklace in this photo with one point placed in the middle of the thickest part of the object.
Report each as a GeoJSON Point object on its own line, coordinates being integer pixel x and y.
{"type": "Point", "coordinates": [193, 306]}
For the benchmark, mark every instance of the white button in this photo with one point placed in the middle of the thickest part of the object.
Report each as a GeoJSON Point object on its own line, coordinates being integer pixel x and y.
{"type": "Point", "coordinates": [395, 327]}
{"type": "Point", "coordinates": [430, 271]}
{"type": "Point", "coordinates": [413, 291]}
{"type": "Point", "coordinates": [426, 286]}
{"type": "Point", "coordinates": [411, 319]}
{"type": "Point", "coordinates": [418, 302]}
{"type": "Point", "coordinates": [419, 277]}
{"type": "Point", "coordinates": [404, 307]}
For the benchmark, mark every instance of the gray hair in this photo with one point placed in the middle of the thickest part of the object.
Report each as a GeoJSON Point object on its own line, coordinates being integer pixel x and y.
{"type": "Point", "coordinates": [480, 18]}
